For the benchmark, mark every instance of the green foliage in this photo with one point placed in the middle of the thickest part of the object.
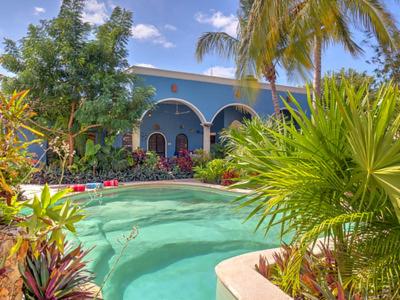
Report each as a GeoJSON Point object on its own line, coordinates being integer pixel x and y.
{"type": "Point", "coordinates": [105, 157]}
{"type": "Point", "coordinates": [353, 77]}
{"type": "Point", "coordinates": [200, 158]}
{"type": "Point", "coordinates": [15, 162]}
{"type": "Point", "coordinates": [50, 217]}
{"type": "Point", "coordinates": [9, 211]}
{"type": "Point", "coordinates": [113, 158]}
{"type": "Point", "coordinates": [320, 276]}
{"type": "Point", "coordinates": [89, 159]}
{"type": "Point", "coordinates": [290, 29]}
{"type": "Point", "coordinates": [218, 150]}
{"type": "Point", "coordinates": [77, 73]}
{"type": "Point", "coordinates": [386, 64]}
{"type": "Point", "coordinates": [334, 176]}
{"type": "Point", "coordinates": [151, 160]}
{"type": "Point", "coordinates": [56, 275]}
{"type": "Point", "coordinates": [212, 172]}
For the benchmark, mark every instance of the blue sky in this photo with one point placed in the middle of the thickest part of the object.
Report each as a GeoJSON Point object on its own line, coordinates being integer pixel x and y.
{"type": "Point", "coordinates": [165, 31]}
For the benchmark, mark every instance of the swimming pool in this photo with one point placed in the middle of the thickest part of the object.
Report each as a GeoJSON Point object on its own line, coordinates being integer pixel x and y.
{"type": "Point", "coordinates": [184, 232]}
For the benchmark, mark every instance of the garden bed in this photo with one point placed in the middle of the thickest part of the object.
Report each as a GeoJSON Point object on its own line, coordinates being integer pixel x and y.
{"type": "Point", "coordinates": [51, 176]}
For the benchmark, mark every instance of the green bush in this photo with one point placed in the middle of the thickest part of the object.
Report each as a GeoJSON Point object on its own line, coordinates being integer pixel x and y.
{"type": "Point", "coordinates": [200, 158]}
{"type": "Point", "coordinates": [212, 172]}
{"type": "Point", "coordinates": [218, 150]}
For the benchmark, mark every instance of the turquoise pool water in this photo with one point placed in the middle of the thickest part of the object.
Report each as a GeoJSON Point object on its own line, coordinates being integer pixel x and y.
{"type": "Point", "coordinates": [183, 233]}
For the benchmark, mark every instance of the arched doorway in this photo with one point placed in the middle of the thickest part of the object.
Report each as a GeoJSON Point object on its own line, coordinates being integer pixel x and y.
{"type": "Point", "coordinates": [173, 117]}
{"type": "Point", "coordinates": [157, 143]}
{"type": "Point", "coordinates": [181, 143]}
{"type": "Point", "coordinates": [230, 115]}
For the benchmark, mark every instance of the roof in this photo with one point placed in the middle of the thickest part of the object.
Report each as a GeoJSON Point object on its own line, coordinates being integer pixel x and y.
{"type": "Point", "coordinates": [206, 78]}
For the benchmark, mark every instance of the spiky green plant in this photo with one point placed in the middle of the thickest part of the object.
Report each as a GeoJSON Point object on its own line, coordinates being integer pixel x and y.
{"type": "Point", "coordinates": [335, 175]}
{"type": "Point", "coordinates": [56, 275]}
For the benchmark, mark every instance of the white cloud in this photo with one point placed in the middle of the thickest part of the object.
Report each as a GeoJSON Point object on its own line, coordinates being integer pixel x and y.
{"type": "Point", "coordinates": [145, 32]}
{"type": "Point", "coordinates": [38, 10]}
{"type": "Point", "coordinates": [146, 65]}
{"type": "Point", "coordinates": [219, 21]}
{"type": "Point", "coordinates": [95, 12]}
{"type": "Point", "coordinates": [148, 32]}
{"type": "Point", "coordinates": [220, 71]}
{"type": "Point", "coordinates": [170, 27]}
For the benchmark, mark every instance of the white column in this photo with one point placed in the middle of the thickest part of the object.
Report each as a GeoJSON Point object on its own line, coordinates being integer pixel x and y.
{"type": "Point", "coordinates": [136, 137]}
{"type": "Point", "coordinates": [206, 136]}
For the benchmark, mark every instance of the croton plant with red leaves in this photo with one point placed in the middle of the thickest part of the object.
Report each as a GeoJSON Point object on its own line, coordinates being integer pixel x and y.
{"type": "Point", "coordinates": [320, 277]}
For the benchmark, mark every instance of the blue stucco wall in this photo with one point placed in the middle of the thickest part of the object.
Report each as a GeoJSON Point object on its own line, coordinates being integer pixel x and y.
{"type": "Point", "coordinates": [171, 125]}
{"type": "Point", "coordinates": [36, 150]}
{"type": "Point", "coordinates": [210, 97]}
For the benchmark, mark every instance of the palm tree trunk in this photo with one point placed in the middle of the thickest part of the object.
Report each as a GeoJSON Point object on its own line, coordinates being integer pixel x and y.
{"type": "Point", "coordinates": [317, 66]}
{"type": "Point", "coordinates": [270, 76]}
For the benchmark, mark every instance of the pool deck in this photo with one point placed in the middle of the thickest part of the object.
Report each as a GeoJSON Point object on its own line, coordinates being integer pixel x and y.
{"type": "Point", "coordinates": [30, 190]}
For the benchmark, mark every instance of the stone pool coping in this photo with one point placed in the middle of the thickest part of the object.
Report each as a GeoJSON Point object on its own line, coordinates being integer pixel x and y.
{"type": "Point", "coordinates": [237, 278]}
{"type": "Point", "coordinates": [30, 190]}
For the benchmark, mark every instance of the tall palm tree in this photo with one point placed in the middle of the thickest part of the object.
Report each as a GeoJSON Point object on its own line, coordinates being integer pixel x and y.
{"type": "Point", "coordinates": [317, 22]}
{"type": "Point", "coordinates": [255, 64]}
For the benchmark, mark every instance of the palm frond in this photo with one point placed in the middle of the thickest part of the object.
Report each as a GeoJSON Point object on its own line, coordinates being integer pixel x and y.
{"type": "Point", "coordinates": [219, 43]}
{"type": "Point", "coordinates": [334, 175]}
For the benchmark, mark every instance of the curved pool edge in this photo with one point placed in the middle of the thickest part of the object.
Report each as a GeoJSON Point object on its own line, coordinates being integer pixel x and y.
{"type": "Point", "coordinates": [30, 190]}
{"type": "Point", "coordinates": [237, 278]}
{"type": "Point", "coordinates": [187, 182]}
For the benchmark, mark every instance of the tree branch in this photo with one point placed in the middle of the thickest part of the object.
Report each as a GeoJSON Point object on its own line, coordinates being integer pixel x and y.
{"type": "Point", "coordinates": [86, 129]}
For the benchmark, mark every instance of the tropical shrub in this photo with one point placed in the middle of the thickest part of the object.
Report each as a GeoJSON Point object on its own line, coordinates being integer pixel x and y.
{"type": "Point", "coordinates": [213, 171]}
{"type": "Point", "coordinates": [218, 150]}
{"type": "Point", "coordinates": [52, 274]}
{"type": "Point", "coordinates": [49, 217]}
{"type": "Point", "coordinates": [51, 175]}
{"type": "Point", "coordinates": [15, 161]}
{"type": "Point", "coordinates": [184, 161]}
{"type": "Point", "coordinates": [44, 218]}
{"type": "Point", "coordinates": [320, 276]}
{"type": "Point", "coordinates": [336, 176]}
{"type": "Point", "coordinates": [113, 158]}
{"type": "Point", "coordinates": [151, 160]}
{"type": "Point", "coordinates": [200, 158]}
{"type": "Point", "coordinates": [229, 177]}
{"type": "Point", "coordinates": [139, 156]}
{"type": "Point", "coordinates": [102, 157]}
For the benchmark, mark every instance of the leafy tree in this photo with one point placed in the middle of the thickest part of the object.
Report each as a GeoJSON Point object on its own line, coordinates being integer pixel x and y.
{"type": "Point", "coordinates": [316, 23]}
{"type": "Point", "coordinates": [355, 78]}
{"type": "Point", "coordinates": [252, 63]}
{"type": "Point", "coordinates": [387, 64]}
{"type": "Point", "coordinates": [76, 73]}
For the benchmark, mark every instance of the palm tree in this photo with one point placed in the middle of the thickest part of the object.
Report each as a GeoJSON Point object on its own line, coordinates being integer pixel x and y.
{"type": "Point", "coordinates": [343, 184]}
{"type": "Point", "coordinates": [228, 46]}
{"type": "Point", "coordinates": [319, 23]}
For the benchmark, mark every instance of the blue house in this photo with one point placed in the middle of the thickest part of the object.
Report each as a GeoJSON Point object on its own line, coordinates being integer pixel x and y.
{"type": "Point", "coordinates": [191, 110]}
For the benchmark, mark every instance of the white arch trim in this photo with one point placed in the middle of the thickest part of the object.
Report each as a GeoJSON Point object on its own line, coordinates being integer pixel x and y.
{"type": "Point", "coordinates": [165, 139]}
{"type": "Point", "coordinates": [182, 101]}
{"type": "Point", "coordinates": [246, 107]}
